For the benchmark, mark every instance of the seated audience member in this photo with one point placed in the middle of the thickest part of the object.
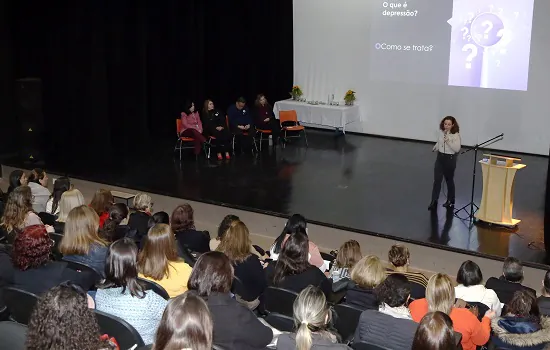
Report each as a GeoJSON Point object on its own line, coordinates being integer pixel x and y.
{"type": "Point", "coordinates": [400, 258]}
{"type": "Point", "coordinates": [311, 318]}
{"type": "Point", "coordinates": [348, 255]}
{"type": "Point", "coordinates": [440, 296]}
{"type": "Point", "coordinates": [235, 326]}
{"type": "Point", "coordinates": [60, 186]}
{"type": "Point", "coordinates": [61, 319]}
{"type": "Point", "coordinates": [471, 289]}
{"type": "Point", "coordinates": [215, 125]}
{"type": "Point", "coordinates": [18, 213]}
{"type": "Point", "coordinates": [295, 222]}
{"type": "Point", "coordinates": [185, 324]}
{"type": "Point", "coordinates": [17, 178]}
{"type": "Point", "coordinates": [264, 117]}
{"type": "Point", "coordinates": [391, 326]}
{"type": "Point", "coordinates": [139, 220]}
{"type": "Point", "coordinates": [191, 126]}
{"type": "Point", "coordinates": [183, 225]}
{"type": "Point", "coordinates": [159, 261]}
{"type": "Point", "coordinates": [435, 332]}
{"type": "Point", "coordinates": [543, 301]}
{"type": "Point", "coordinates": [235, 244]}
{"type": "Point", "coordinates": [122, 294]}
{"type": "Point", "coordinates": [522, 327]}
{"type": "Point", "coordinates": [292, 270]}
{"type": "Point", "coordinates": [366, 275]}
{"type": "Point", "coordinates": [506, 285]}
{"type": "Point", "coordinates": [222, 229]}
{"type": "Point", "coordinates": [241, 123]}
{"type": "Point", "coordinates": [160, 217]}
{"type": "Point", "coordinates": [116, 225]}
{"type": "Point", "coordinates": [69, 200]}
{"type": "Point", "coordinates": [33, 269]}
{"type": "Point", "coordinates": [80, 242]}
{"type": "Point", "coordinates": [101, 202]}
{"type": "Point", "coordinates": [38, 183]}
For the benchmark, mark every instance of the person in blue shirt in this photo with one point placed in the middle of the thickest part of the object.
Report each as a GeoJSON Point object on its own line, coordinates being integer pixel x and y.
{"type": "Point", "coordinates": [241, 123]}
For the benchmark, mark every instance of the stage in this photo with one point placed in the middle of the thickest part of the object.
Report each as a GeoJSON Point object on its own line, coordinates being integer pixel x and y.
{"type": "Point", "coordinates": [372, 185]}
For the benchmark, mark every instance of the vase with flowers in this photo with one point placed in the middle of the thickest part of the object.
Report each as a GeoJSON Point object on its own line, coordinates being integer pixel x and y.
{"type": "Point", "coordinates": [349, 98]}
{"type": "Point", "coordinates": [296, 92]}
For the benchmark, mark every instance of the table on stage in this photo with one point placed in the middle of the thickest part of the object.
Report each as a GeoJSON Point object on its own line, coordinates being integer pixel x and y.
{"type": "Point", "coordinates": [334, 116]}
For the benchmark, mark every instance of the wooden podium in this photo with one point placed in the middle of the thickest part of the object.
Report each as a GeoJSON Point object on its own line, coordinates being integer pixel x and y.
{"type": "Point", "coordinates": [497, 200]}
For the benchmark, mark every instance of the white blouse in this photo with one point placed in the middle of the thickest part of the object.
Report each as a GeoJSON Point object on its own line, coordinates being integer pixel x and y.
{"type": "Point", "coordinates": [479, 294]}
{"type": "Point", "coordinates": [452, 145]}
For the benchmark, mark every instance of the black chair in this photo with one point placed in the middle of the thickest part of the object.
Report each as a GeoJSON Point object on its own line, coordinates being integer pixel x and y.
{"type": "Point", "coordinates": [418, 291]}
{"type": "Point", "coordinates": [155, 287]}
{"type": "Point", "coordinates": [47, 218]}
{"type": "Point", "coordinates": [346, 319]}
{"type": "Point", "coordinates": [125, 335]}
{"type": "Point", "coordinates": [186, 255]}
{"type": "Point", "coordinates": [279, 300]}
{"type": "Point", "coordinates": [366, 346]}
{"type": "Point", "coordinates": [81, 267]}
{"type": "Point", "coordinates": [20, 304]}
{"type": "Point", "coordinates": [56, 238]}
{"type": "Point", "coordinates": [280, 322]}
{"type": "Point", "coordinates": [482, 308]}
{"type": "Point", "coordinates": [13, 336]}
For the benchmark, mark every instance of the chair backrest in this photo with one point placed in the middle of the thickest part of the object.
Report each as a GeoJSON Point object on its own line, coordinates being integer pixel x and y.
{"type": "Point", "coordinates": [280, 322]}
{"type": "Point", "coordinates": [482, 308]}
{"type": "Point", "coordinates": [47, 218]}
{"type": "Point", "coordinates": [288, 116]}
{"type": "Point", "coordinates": [81, 267]}
{"type": "Point", "coordinates": [366, 346]}
{"type": "Point", "coordinates": [279, 300]}
{"type": "Point", "coordinates": [20, 303]}
{"type": "Point", "coordinates": [13, 336]}
{"type": "Point", "coordinates": [418, 291]}
{"type": "Point", "coordinates": [178, 126]}
{"type": "Point", "coordinates": [56, 237]}
{"type": "Point", "coordinates": [155, 287]}
{"type": "Point", "coordinates": [125, 335]}
{"type": "Point", "coordinates": [346, 319]}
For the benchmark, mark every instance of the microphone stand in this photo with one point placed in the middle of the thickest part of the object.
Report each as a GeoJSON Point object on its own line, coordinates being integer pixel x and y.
{"type": "Point", "coordinates": [469, 208]}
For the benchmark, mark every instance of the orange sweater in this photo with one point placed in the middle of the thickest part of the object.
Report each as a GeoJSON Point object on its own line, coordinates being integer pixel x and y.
{"type": "Point", "coordinates": [474, 333]}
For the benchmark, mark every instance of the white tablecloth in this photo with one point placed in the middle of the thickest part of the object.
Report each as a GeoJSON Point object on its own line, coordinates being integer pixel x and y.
{"type": "Point", "coordinates": [326, 115]}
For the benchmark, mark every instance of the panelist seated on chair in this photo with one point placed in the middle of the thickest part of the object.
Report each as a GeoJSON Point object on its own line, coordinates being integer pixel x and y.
{"type": "Point", "coordinates": [240, 121]}
{"type": "Point", "coordinates": [215, 126]}
{"type": "Point", "coordinates": [191, 126]}
{"type": "Point", "coordinates": [264, 118]}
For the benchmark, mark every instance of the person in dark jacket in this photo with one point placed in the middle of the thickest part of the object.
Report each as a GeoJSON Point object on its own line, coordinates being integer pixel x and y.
{"type": "Point", "coordinates": [544, 300]}
{"type": "Point", "coordinates": [215, 125]}
{"type": "Point", "coordinates": [506, 285]}
{"type": "Point", "coordinates": [235, 326]}
{"type": "Point", "coordinates": [241, 123]}
{"type": "Point", "coordinates": [183, 225]}
{"type": "Point", "coordinates": [264, 118]}
{"type": "Point", "coordinates": [522, 327]}
{"type": "Point", "coordinates": [139, 220]}
{"type": "Point", "coordinates": [366, 275]}
{"type": "Point", "coordinates": [115, 226]}
{"type": "Point", "coordinates": [293, 271]}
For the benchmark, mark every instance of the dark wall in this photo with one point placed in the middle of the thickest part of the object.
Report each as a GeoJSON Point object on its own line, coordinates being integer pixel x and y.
{"type": "Point", "coordinates": [8, 123]}
{"type": "Point", "coordinates": [115, 73]}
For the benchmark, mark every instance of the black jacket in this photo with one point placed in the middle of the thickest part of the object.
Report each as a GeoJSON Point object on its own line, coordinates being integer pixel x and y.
{"type": "Point", "coordinates": [363, 298]}
{"type": "Point", "coordinates": [235, 326]}
{"type": "Point", "coordinates": [195, 241]}
{"type": "Point", "coordinates": [251, 274]}
{"type": "Point", "coordinates": [212, 120]}
{"type": "Point", "coordinates": [312, 276]}
{"type": "Point", "coordinates": [385, 331]}
{"type": "Point", "coordinates": [139, 221]}
{"type": "Point", "coordinates": [505, 290]}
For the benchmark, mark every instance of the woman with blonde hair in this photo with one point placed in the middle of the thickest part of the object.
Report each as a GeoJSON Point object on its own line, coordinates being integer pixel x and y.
{"type": "Point", "coordinates": [159, 261]}
{"type": "Point", "coordinates": [186, 324]}
{"type": "Point", "coordinates": [366, 275]}
{"type": "Point", "coordinates": [101, 202]}
{"type": "Point", "coordinates": [235, 244]}
{"type": "Point", "coordinates": [81, 242]}
{"type": "Point", "coordinates": [311, 317]}
{"type": "Point", "coordinates": [69, 200]}
{"type": "Point", "coordinates": [440, 296]}
{"type": "Point", "coordinates": [348, 255]}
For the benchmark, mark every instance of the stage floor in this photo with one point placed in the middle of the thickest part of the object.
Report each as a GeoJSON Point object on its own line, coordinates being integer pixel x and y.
{"type": "Point", "coordinates": [376, 185]}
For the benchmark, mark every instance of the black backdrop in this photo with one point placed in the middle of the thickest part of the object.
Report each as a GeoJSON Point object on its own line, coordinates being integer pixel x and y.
{"type": "Point", "coordinates": [115, 73]}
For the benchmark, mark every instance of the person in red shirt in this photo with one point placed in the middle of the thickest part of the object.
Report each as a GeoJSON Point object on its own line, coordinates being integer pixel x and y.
{"type": "Point", "coordinates": [191, 126]}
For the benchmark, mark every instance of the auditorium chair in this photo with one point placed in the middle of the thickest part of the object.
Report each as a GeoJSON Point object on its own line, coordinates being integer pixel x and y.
{"type": "Point", "coordinates": [20, 303]}
{"type": "Point", "coordinates": [280, 322]}
{"type": "Point", "coordinates": [81, 267]}
{"type": "Point", "coordinates": [279, 300]}
{"type": "Point", "coordinates": [346, 318]}
{"type": "Point", "coordinates": [289, 122]}
{"type": "Point", "coordinates": [56, 238]}
{"type": "Point", "coordinates": [366, 346]}
{"type": "Point", "coordinates": [155, 287]}
{"type": "Point", "coordinates": [418, 291]}
{"type": "Point", "coordinates": [125, 335]}
{"type": "Point", "coordinates": [13, 335]}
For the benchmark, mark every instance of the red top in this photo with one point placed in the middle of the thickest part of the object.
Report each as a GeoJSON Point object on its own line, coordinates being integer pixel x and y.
{"type": "Point", "coordinates": [104, 216]}
{"type": "Point", "coordinates": [465, 322]}
{"type": "Point", "coordinates": [191, 121]}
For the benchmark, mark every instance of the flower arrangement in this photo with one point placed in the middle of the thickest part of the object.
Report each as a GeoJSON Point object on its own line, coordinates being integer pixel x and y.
{"type": "Point", "coordinates": [349, 97]}
{"type": "Point", "coordinates": [296, 92]}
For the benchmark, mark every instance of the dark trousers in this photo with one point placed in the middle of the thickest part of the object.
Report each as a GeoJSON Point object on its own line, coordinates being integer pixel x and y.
{"type": "Point", "coordinates": [445, 165]}
{"type": "Point", "coordinates": [198, 139]}
{"type": "Point", "coordinates": [222, 143]}
{"type": "Point", "coordinates": [273, 125]}
{"type": "Point", "coordinates": [245, 138]}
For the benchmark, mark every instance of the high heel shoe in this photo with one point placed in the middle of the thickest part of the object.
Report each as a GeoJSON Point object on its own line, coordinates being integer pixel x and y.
{"type": "Point", "coordinates": [449, 204]}
{"type": "Point", "coordinates": [432, 206]}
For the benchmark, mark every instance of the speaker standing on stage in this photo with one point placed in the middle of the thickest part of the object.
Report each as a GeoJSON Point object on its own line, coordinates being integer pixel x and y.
{"type": "Point", "coordinates": [447, 146]}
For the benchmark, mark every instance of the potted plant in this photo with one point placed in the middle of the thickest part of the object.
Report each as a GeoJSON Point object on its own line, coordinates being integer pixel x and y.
{"type": "Point", "coordinates": [349, 97]}
{"type": "Point", "coordinates": [296, 92]}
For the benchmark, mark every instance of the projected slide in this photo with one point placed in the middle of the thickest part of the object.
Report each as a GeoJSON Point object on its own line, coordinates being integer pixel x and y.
{"type": "Point", "coordinates": [473, 43]}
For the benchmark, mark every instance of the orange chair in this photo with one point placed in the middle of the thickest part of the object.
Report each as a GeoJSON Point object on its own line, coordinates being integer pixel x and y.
{"type": "Point", "coordinates": [263, 132]}
{"type": "Point", "coordinates": [233, 138]}
{"type": "Point", "coordinates": [187, 142]}
{"type": "Point", "coordinates": [291, 117]}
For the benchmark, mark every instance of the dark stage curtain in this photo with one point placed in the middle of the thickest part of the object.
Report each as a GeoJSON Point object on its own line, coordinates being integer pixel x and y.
{"type": "Point", "coordinates": [116, 73]}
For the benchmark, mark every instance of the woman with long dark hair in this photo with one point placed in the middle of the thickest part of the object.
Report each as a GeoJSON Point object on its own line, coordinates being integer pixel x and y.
{"type": "Point", "coordinates": [215, 124]}
{"type": "Point", "coordinates": [447, 146]}
{"type": "Point", "coordinates": [60, 186]}
{"type": "Point", "coordinates": [17, 178]}
{"type": "Point", "coordinates": [115, 227]}
{"type": "Point", "coordinates": [191, 126]}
